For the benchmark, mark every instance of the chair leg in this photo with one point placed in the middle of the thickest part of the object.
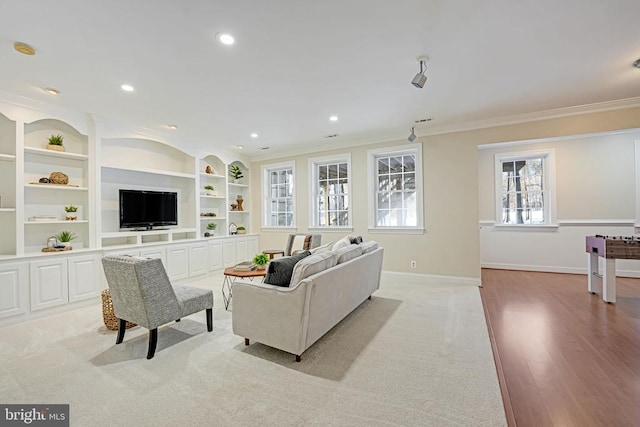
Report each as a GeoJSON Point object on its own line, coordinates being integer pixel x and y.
{"type": "Point", "coordinates": [246, 341]}
{"type": "Point", "coordinates": [153, 340]}
{"type": "Point", "coordinates": [369, 297]}
{"type": "Point", "coordinates": [209, 319]}
{"type": "Point", "coordinates": [122, 327]}
{"type": "Point", "coordinates": [298, 358]}
{"type": "Point", "coordinates": [177, 320]}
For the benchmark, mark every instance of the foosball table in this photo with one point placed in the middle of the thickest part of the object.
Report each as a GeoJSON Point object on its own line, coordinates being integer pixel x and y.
{"type": "Point", "coordinates": [609, 248]}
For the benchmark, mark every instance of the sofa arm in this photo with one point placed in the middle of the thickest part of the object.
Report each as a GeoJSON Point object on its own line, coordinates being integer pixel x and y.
{"type": "Point", "coordinates": [271, 315]}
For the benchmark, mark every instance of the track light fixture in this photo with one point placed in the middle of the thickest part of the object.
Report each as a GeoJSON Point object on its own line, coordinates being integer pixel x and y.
{"type": "Point", "coordinates": [420, 79]}
{"type": "Point", "coordinates": [412, 137]}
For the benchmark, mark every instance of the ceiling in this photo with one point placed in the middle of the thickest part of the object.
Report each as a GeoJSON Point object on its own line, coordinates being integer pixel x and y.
{"type": "Point", "coordinates": [297, 62]}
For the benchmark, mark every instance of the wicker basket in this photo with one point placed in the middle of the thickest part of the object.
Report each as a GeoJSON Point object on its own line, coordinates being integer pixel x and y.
{"type": "Point", "coordinates": [59, 178]}
{"type": "Point", "coordinates": [109, 317]}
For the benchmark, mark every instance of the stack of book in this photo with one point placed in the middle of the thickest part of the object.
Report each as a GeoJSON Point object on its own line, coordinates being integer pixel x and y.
{"type": "Point", "coordinates": [245, 266]}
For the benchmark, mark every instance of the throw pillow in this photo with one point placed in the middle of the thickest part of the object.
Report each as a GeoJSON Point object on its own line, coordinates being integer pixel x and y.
{"type": "Point", "coordinates": [313, 264]}
{"type": "Point", "coordinates": [322, 248]}
{"type": "Point", "coordinates": [280, 269]}
{"type": "Point", "coordinates": [369, 246]}
{"type": "Point", "coordinates": [344, 242]}
{"type": "Point", "coordinates": [348, 253]}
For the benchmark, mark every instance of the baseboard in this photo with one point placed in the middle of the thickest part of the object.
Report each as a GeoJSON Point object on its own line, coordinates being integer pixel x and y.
{"type": "Point", "coordinates": [396, 275]}
{"type": "Point", "coordinates": [554, 269]}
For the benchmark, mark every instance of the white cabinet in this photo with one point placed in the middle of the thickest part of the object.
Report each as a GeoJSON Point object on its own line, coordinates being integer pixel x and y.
{"type": "Point", "coordinates": [242, 253]}
{"type": "Point", "coordinates": [14, 290]}
{"type": "Point", "coordinates": [84, 277]}
{"type": "Point", "coordinates": [215, 255]}
{"type": "Point", "coordinates": [177, 262]}
{"type": "Point", "coordinates": [198, 259]}
{"type": "Point", "coordinates": [57, 281]}
{"type": "Point", "coordinates": [155, 252]}
{"type": "Point", "coordinates": [229, 252]}
{"type": "Point", "coordinates": [236, 249]}
{"type": "Point", "coordinates": [49, 282]}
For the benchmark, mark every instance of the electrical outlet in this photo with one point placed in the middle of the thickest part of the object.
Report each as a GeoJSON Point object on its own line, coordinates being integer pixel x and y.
{"type": "Point", "coordinates": [413, 264]}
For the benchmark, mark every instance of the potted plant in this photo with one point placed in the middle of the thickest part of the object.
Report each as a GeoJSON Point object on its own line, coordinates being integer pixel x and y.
{"type": "Point", "coordinates": [235, 172]}
{"type": "Point", "coordinates": [261, 260]}
{"type": "Point", "coordinates": [211, 227]}
{"type": "Point", "coordinates": [65, 237]}
{"type": "Point", "coordinates": [56, 143]}
{"type": "Point", "coordinates": [241, 230]}
{"type": "Point", "coordinates": [210, 191]}
{"type": "Point", "coordinates": [72, 213]}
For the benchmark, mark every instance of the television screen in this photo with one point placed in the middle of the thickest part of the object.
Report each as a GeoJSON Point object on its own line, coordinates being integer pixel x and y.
{"type": "Point", "coordinates": [148, 209]}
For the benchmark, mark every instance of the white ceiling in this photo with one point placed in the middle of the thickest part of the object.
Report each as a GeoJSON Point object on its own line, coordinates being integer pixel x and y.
{"type": "Point", "coordinates": [297, 62]}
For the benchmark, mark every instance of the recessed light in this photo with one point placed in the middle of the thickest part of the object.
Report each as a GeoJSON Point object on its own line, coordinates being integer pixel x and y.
{"type": "Point", "coordinates": [126, 88]}
{"type": "Point", "coordinates": [173, 127]}
{"type": "Point", "coordinates": [637, 63]}
{"type": "Point", "coordinates": [240, 147]}
{"type": "Point", "coordinates": [254, 135]}
{"type": "Point", "coordinates": [225, 38]}
{"type": "Point", "coordinates": [24, 48]}
{"type": "Point", "coordinates": [333, 118]}
{"type": "Point", "coordinates": [51, 90]}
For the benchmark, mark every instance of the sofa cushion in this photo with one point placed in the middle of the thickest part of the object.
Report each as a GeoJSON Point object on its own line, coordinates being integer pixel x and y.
{"type": "Point", "coordinates": [280, 269]}
{"type": "Point", "coordinates": [348, 253]}
{"type": "Point", "coordinates": [342, 243]}
{"type": "Point", "coordinates": [369, 246]}
{"type": "Point", "coordinates": [313, 264]}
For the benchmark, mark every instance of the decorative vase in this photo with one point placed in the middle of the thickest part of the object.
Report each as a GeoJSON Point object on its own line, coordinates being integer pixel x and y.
{"type": "Point", "coordinates": [239, 201]}
{"type": "Point", "coordinates": [55, 147]}
{"type": "Point", "coordinates": [207, 169]}
{"type": "Point", "coordinates": [71, 216]}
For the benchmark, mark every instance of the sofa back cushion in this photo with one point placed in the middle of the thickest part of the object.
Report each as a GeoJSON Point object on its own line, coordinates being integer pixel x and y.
{"type": "Point", "coordinates": [280, 269]}
{"type": "Point", "coordinates": [313, 264]}
{"type": "Point", "coordinates": [369, 246]}
{"type": "Point", "coordinates": [348, 253]}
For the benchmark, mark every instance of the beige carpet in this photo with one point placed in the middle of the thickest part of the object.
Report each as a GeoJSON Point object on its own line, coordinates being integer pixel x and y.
{"type": "Point", "coordinates": [416, 354]}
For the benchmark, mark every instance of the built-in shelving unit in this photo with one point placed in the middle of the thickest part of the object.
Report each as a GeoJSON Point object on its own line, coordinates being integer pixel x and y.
{"type": "Point", "coordinates": [239, 188]}
{"type": "Point", "coordinates": [215, 202]}
{"type": "Point", "coordinates": [8, 185]}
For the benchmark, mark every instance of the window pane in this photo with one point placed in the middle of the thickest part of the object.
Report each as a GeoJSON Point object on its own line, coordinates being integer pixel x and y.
{"type": "Point", "coordinates": [342, 170]}
{"type": "Point", "coordinates": [383, 166]}
{"type": "Point", "coordinates": [410, 181]}
{"type": "Point", "coordinates": [383, 183]}
{"type": "Point", "coordinates": [409, 163]}
{"type": "Point", "coordinates": [383, 200]}
{"type": "Point", "coordinates": [332, 171]}
{"type": "Point", "coordinates": [395, 164]}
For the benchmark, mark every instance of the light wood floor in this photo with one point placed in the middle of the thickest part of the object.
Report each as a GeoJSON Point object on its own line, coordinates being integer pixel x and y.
{"type": "Point", "coordinates": [565, 357]}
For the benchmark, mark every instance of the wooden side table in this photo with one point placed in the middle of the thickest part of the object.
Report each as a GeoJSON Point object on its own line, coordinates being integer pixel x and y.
{"type": "Point", "coordinates": [230, 276]}
{"type": "Point", "coordinates": [273, 252]}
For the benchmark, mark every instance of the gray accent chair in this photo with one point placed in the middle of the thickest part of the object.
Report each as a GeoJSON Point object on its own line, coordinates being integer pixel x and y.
{"type": "Point", "coordinates": [142, 294]}
{"type": "Point", "coordinates": [307, 241]}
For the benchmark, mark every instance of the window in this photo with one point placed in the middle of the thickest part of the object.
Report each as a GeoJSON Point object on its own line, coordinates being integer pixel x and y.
{"type": "Point", "coordinates": [523, 188]}
{"type": "Point", "coordinates": [330, 191]}
{"type": "Point", "coordinates": [397, 188]}
{"type": "Point", "coordinates": [278, 195]}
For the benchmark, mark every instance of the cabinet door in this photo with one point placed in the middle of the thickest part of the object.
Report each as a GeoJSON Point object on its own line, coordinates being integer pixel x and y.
{"type": "Point", "coordinates": [177, 262]}
{"type": "Point", "coordinates": [215, 255]}
{"type": "Point", "coordinates": [160, 253]}
{"type": "Point", "coordinates": [197, 259]}
{"type": "Point", "coordinates": [49, 283]}
{"type": "Point", "coordinates": [84, 277]}
{"type": "Point", "coordinates": [229, 252]}
{"type": "Point", "coordinates": [14, 289]}
{"type": "Point", "coordinates": [242, 252]}
{"type": "Point", "coordinates": [252, 245]}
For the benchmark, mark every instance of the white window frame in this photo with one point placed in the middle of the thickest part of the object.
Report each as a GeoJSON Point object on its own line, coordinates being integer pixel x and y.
{"type": "Point", "coordinates": [266, 170]}
{"type": "Point", "coordinates": [372, 172]}
{"type": "Point", "coordinates": [548, 186]}
{"type": "Point", "coordinates": [313, 187]}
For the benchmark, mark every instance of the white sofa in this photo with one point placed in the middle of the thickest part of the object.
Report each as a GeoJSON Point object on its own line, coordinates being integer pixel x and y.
{"type": "Point", "coordinates": [293, 318]}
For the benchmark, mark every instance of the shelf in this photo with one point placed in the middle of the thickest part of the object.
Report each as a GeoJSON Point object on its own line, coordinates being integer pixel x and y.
{"type": "Point", "coordinates": [211, 175]}
{"type": "Point", "coordinates": [50, 187]}
{"type": "Point", "coordinates": [243, 212]}
{"type": "Point", "coordinates": [52, 153]}
{"type": "Point", "coordinates": [7, 209]}
{"type": "Point", "coordinates": [58, 221]}
{"type": "Point", "coordinates": [231, 184]}
{"type": "Point", "coordinates": [151, 171]}
{"type": "Point", "coordinates": [7, 157]}
{"type": "Point", "coordinates": [213, 197]}
{"type": "Point", "coordinates": [211, 218]}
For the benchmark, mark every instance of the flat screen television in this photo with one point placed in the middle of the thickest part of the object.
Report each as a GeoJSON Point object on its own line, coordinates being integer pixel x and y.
{"type": "Point", "coordinates": [148, 209]}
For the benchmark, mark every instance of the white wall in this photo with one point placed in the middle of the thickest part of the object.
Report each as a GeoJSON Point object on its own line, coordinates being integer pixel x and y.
{"type": "Point", "coordinates": [595, 194]}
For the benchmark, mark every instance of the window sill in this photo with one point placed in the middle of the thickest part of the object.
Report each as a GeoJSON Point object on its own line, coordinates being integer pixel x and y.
{"type": "Point", "coordinates": [522, 227]}
{"type": "Point", "coordinates": [331, 229]}
{"type": "Point", "coordinates": [396, 230]}
{"type": "Point", "coordinates": [283, 229]}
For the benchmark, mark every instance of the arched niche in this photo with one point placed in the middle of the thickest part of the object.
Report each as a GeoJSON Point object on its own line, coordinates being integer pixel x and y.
{"type": "Point", "coordinates": [37, 133]}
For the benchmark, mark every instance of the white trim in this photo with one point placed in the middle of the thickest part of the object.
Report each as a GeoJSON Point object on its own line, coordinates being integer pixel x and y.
{"type": "Point", "coordinates": [331, 229]}
{"type": "Point", "coordinates": [569, 223]}
{"type": "Point", "coordinates": [526, 227]}
{"type": "Point", "coordinates": [431, 278]}
{"type": "Point", "coordinates": [371, 185]}
{"type": "Point", "coordinates": [285, 229]}
{"type": "Point", "coordinates": [549, 184]}
{"type": "Point", "coordinates": [312, 163]}
{"type": "Point", "coordinates": [550, 269]}
{"type": "Point", "coordinates": [264, 170]}
{"type": "Point", "coordinates": [396, 230]}
{"type": "Point", "coordinates": [555, 139]}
